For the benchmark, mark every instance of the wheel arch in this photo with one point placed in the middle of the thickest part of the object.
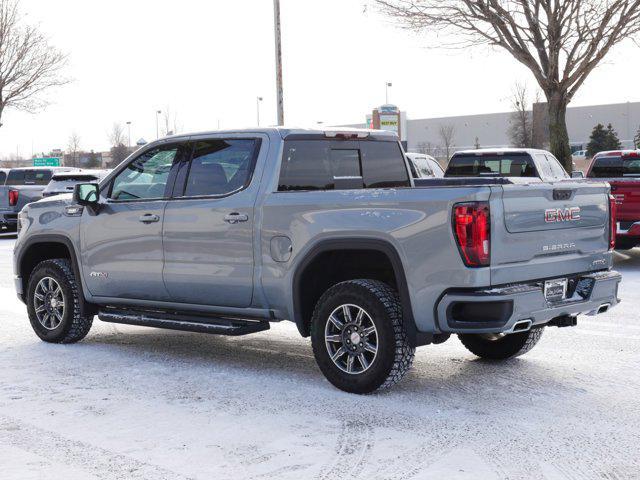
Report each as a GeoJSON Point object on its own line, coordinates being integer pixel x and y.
{"type": "Point", "coordinates": [301, 310]}
{"type": "Point", "coordinates": [45, 247]}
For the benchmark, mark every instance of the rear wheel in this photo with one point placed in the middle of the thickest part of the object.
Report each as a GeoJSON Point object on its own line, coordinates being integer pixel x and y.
{"type": "Point", "coordinates": [358, 338]}
{"type": "Point", "coordinates": [501, 346]}
{"type": "Point", "coordinates": [54, 303]}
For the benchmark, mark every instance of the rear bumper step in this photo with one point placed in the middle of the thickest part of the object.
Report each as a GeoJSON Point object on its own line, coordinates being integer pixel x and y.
{"type": "Point", "coordinates": [520, 307]}
{"type": "Point", "coordinates": [184, 323]}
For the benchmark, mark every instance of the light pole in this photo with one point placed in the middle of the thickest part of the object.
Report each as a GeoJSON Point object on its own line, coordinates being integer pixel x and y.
{"type": "Point", "coordinates": [158, 112]}
{"type": "Point", "coordinates": [258, 100]}
{"type": "Point", "coordinates": [279, 89]}
{"type": "Point", "coordinates": [129, 134]}
{"type": "Point", "coordinates": [386, 91]}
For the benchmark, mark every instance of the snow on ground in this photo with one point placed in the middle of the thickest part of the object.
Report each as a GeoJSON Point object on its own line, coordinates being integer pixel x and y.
{"type": "Point", "coordinates": [136, 403]}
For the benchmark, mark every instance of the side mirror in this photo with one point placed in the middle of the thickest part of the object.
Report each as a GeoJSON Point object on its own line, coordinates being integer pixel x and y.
{"type": "Point", "coordinates": [577, 174]}
{"type": "Point", "coordinates": [86, 194]}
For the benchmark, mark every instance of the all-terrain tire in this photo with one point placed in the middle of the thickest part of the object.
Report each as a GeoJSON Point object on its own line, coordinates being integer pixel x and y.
{"type": "Point", "coordinates": [75, 324]}
{"type": "Point", "coordinates": [394, 354]}
{"type": "Point", "coordinates": [507, 346]}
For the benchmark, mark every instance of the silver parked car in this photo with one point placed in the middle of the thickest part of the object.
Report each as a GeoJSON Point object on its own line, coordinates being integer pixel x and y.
{"type": "Point", "coordinates": [64, 182]}
{"type": "Point", "coordinates": [425, 166]}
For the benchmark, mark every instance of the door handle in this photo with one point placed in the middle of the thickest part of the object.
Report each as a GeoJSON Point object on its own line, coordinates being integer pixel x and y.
{"type": "Point", "coordinates": [236, 217]}
{"type": "Point", "coordinates": [149, 218]}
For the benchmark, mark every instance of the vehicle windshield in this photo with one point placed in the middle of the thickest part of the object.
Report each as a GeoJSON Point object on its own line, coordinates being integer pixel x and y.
{"type": "Point", "coordinates": [616, 166]}
{"type": "Point", "coordinates": [491, 165]}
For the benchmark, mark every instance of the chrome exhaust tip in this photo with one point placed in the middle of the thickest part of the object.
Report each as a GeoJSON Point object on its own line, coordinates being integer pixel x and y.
{"type": "Point", "coordinates": [521, 326]}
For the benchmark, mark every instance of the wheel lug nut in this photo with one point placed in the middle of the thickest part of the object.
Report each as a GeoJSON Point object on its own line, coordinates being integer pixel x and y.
{"type": "Point", "coordinates": [360, 343]}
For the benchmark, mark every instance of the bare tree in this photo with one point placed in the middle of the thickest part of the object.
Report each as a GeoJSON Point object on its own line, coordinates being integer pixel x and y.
{"type": "Point", "coordinates": [73, 147]}
{"type": "Point", "coordinates": [170, 121]}
{"type": "Point", "coordinates": [560, 42]}
{"type": "Point", "coordinates": [520, 123]}
{"type": "Point", "coordinates": [116, 135]}
{"type": "Point", "coordinates": [28, 64]}
{"type": "Point", "coordinates": [447, 134]}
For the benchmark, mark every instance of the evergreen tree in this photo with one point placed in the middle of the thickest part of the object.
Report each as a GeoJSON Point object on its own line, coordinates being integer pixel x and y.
{"type": "Point", "coordinates": [636, 139]}
{"type": "Point", "coordinates": [602, 139]}
{"type": "Point", "coordinates": [597, 140]}
{"type": "Point", "coordinates": [612, 142]}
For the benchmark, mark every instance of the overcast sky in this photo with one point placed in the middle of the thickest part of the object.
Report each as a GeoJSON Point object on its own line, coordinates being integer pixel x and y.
{"type": "Point", "coordinates": [208, 60]}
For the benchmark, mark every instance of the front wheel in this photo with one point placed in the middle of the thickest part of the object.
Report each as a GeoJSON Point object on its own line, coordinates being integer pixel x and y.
{"type": "Point", "coordinates": [358, 337]}
{"type": "Point", "coordinates": [497, 346]}
{"type": "Point", "coordinates": [54, 303]}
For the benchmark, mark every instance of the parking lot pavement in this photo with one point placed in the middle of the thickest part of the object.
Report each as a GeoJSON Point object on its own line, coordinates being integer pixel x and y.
{"type": "Point", "coordinates": [140, 403]}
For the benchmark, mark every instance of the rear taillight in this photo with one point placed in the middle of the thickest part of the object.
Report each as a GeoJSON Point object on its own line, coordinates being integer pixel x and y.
{"type": "Point", "coordinates": [13, 197]}
{"type": "Point", "coordinates": [613, 225]}
{"type": "Point", "coordinates": [472, 229]}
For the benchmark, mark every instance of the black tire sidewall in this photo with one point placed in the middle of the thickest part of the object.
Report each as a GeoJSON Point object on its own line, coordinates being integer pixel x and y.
{"type": "Point", "coordinates": [53, 270]}
{"type": "Point", "coordinates": [378, 372]}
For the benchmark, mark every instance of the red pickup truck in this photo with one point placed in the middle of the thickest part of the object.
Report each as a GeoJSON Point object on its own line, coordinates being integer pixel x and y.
{"type": "Point", "coordinates": [621, 168]}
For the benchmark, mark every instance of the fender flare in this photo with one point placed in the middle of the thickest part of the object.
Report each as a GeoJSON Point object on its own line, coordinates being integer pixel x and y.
{"type": "Point", "coordinates": [415, 338]}
{"type": "Point", "coordinates": [53, 238]}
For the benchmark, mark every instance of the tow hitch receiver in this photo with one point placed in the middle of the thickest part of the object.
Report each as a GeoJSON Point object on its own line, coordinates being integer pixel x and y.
{"type": "Point", "coordinates": [564, 321]}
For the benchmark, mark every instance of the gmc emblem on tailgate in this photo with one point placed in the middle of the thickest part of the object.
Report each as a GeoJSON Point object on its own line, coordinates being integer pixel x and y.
{"type": "Point", "coordinates": [569, 214]}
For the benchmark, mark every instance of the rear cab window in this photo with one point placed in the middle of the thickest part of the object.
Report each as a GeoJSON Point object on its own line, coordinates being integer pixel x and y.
{"type": "Point", "coordinates": [29, 177]}
{"type": "Point", "coordinates": [321, 164]}
{"type": "Point", "coordinates": [614, 167]}
{"type": "Point", "coordinates": [493, 165]}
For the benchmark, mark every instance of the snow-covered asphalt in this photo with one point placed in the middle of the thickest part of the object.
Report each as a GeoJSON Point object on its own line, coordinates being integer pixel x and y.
{"type": "Point", "coordinates": [136, 403]}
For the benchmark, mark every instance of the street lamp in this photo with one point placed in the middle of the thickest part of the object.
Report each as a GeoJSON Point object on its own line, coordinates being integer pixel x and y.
{"type": "Point", "coordinates": [129, 134]}
{"type": "Point", "coordinates": [278, 48]}
{"type": "Point", "coordinates": [258, 100]}
{"type": "Point", "coordinates": [158, 112]}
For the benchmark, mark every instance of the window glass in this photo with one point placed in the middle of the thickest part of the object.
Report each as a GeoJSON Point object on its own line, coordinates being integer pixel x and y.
{"type": "Point", "coordinates": [498, 166]}
{"type": "Point", "coordinates": [612, 167]}
{"type": "Point", "coordinates": [383, 165]}
{"type": "Point", "coordinates": [423, 167]}
{"type": "Point", "coordinates": [146, 176]}
{"type": "Point", "coordinates": [3, 177]}
{"type": "Point", "coordinates": [29, 177]}
{"type": "Point", "coordinates": [16, 177]}
{"type": "Point", "coordinates": [317, 164]}
{"type": "Point", "coordinates": [437, 169]}
{"type": "Point", "coordinates": [219, 166]}
{"type": "Point", "coordinates": [557, 170]}
{"type": "Point", "coordinates": [345, 162]}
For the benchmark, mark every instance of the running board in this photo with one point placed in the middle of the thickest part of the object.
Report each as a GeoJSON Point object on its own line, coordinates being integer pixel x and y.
{"type": "Point", "coordinates": [185, 323]}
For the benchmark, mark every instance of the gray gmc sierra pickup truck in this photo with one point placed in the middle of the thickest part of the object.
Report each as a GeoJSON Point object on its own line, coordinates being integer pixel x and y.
{"type": "Point", "coordinates": [225, 232]}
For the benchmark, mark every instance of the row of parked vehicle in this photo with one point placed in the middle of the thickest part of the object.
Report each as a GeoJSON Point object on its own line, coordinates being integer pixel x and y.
{"type": "Point", "coordinates": [620, 168]}
{"type": "Point", "coordinates": [23, 185]}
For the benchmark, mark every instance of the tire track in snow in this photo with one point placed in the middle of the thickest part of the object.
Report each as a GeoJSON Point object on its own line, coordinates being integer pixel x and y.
{"type": "Point", "coordinates": [98, 461]}
{"type": "Point", "coordinates": [354, 444]}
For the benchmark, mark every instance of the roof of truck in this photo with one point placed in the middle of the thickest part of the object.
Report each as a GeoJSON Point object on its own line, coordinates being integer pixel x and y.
{"type": "Point", "coordinates": [500, 151]}
{"type": "Point", "coordinates": [286, 131]}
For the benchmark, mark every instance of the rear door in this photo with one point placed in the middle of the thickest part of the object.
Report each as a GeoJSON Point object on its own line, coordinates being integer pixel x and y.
{"type": "Point", "coordinates": [208, 227]}
{"type": "Point", "coordinates": [536, 225]}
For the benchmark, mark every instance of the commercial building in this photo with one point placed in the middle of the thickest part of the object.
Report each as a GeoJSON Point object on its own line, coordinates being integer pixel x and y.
{"type": "Point", "coordinates": [491, 130]}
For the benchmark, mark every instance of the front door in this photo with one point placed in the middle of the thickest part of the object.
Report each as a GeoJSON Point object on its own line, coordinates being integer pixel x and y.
{"type": "Point", "coordinates": [122, 243]}
{"type": "Point", "coordinates": [208, 226]}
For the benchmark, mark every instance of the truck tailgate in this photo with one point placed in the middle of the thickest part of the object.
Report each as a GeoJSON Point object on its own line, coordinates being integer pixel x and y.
{"type": "Point", "coordinates": [537, 225]}
{"type": "Point", "coordinates": [627, 194]}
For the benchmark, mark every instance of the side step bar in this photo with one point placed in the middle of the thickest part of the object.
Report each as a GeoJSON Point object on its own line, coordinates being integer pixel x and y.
{"type": "Point", "coordinates": [185, 323]}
